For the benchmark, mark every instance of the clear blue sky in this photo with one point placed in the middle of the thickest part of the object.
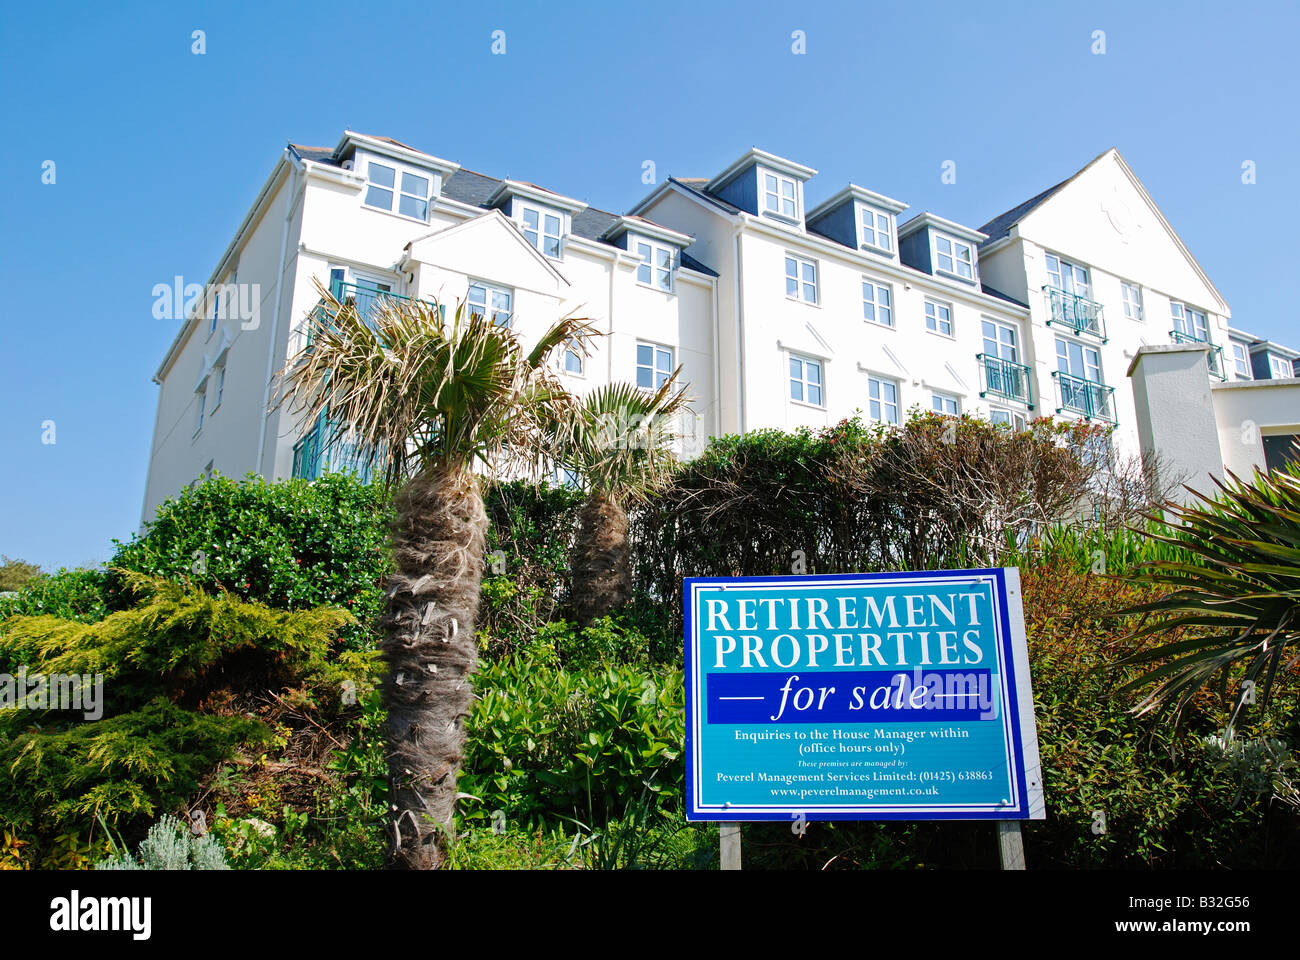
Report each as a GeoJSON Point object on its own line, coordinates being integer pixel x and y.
{"type": "Point", "coordinates": [159, 154]}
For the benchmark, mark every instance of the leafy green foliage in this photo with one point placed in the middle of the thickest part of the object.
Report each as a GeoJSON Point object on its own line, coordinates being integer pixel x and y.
{"type": "Point", "coordinates": [170, 845]}
{"type": "Point", "coordinates": [546, 742]}
{"type": "Point", "coordinates": [17, 574]}
{"type": "Point", "coordinates": [70, 594]}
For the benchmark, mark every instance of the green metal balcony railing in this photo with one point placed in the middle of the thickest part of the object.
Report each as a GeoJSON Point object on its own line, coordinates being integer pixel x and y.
{"type": "Point", "coordinates": [366, 296]}
{"type": "Point", "coordinates": [1076, 313]}
{"type": "Point", "coordinates": [1089, 399]}
{"type": "Point", "coordinates": [1006, 379]}
{"type": "Point", "coordinates": [1216, 352]}
{"type": "Point", "coordinates": [313, 455]}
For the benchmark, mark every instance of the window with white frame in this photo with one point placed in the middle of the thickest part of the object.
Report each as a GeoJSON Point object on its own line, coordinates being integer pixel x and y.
{"type": "Point", "coordinates": [1189, 321]}
{"type": "Point", "coordinates": [658, 264]}
{"type": "Point", "coordinates": [1132, 300]}
{"type": "Point", "coordinates": [410, 190]}
{"type": "Point", "coordinates": [542, 228]}
{"type": "Point", "coordinates": [882, 399]}
{"type": "Point", "coordinates": [1078, 360]}
{"type": "Point", "coordinates": [955, 257]}
{"type": "Point", "coordinates": [1011, 418]}
{"type": "Point", "coordinates": [877, 228]}
{"type": "Point", "coordinates": [488, 301]}
{"type": "Point", "coordinates": [877, 303]}
{"type": "Point", "coordinates": [1001, 340]}
{"type": "Point", "coordinates": [800, 279]}
{"type": "Point", "coordinates": [654, 365]}
{"type": "Point", "coordinates": [945, 403]}
{"type": "Point", "coordinates": [573, 360]}
{"type": "Point", "coordinates": [1280, 368]}
{"type": "Point", "coordinates": [938, 317]}
{"type": "Point", "coordinates": [1241, 360]}
{"type": "Point", "coordinates": [806, 380]}
{"type": "Point", "coordinates": [780, 195]}
{"type": "Point", "coordinates": [202, 408]}
{"type": "Point", "coordinates": [220, 389]}
{"type": "Point", "coordinates": [1066, 276]}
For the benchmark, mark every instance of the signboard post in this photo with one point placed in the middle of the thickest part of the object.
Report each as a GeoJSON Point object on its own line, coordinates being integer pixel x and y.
{"type": "Point", "coordinates": [899, 696]}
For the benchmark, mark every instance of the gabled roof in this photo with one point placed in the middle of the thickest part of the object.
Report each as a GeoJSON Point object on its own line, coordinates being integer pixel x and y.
{"type": "Point", "coordinates": [1001, 225]}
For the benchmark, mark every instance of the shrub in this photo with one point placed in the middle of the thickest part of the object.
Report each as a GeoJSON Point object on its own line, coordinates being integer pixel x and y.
{"type": "Point", "coordinates": [170, 845]}
{"type": "Point", "coordinates": [70, 594]}
{"type": "Point", "coordinates": [16, 574]}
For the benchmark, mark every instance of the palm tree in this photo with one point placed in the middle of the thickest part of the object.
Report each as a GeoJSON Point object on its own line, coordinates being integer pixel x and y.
{"type": "Point", "coordinates": [619, 440]}
{"type": "Point", "coordinates": [1234, 581]}
{"type": "Point", "coordinates": [427, 400]}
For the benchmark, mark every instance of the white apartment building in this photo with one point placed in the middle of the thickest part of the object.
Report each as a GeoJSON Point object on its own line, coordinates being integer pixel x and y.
{"type": "Point", "coordinates": [372, 217]}
{"type": "Point", "coordinates": [1081, 302]}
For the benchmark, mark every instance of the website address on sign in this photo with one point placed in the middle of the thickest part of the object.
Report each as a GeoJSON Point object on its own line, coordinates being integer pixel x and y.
{"type": "Point", "coordinates": [867, 794]}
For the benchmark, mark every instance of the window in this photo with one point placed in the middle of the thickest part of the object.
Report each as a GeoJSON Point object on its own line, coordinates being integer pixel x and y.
{"type": "Point", "coordinates": [877, 229]}
{"type": "Point", "coordinates": [938, 317]}
{"type": "Point", "coordinates": [565, 477]}
{"type": "Point", "coordinates": [1067, 276]}
{"type": "Point", "coordinates": [573, 358]}
{"type": "Point", "coordinates": [654, 365]}
{"type": "Point", "coordinates": [943, 403]}
{"type": "Point", "coordinates": [1241, 360]}
{"type": "Point", "coordinates": [806, 380]}
{"type": "Point", "coordinates": [780, 196]}
{"type": "Point", "coordinates": [877, 303]}
{"type": "Point", "coordinates": [202, 409]}
{"type": "Point", "coordinates": [1132, 300]}
{"type": "Point", "coordinates": [1189, 322]}
{"type": "Point", "coordinates": [882, 400]}
{"type": "Point", "coordinates": [542, 229]}
{"type": "Point", "coordinates": [1280, 368]}
{"type": "Point", "coordinates": [382, 187]}
{"type": "Point", "coordinates": [1077, 360]}
{"type": "Point", "coordinates": [212, 323]}
{"type": "Point", "coordinates": [487, 300]}
{"type": "Point", "coordinates": [657, 264]}
{"type": "Point", "coordinates": [1000, 341]}
{"type": "Point", "coordinates": [1014, 420]}
{"type": "Point", "coordinates": [800, 279]}
{"type": "Point", "coordinates": [955, 257]}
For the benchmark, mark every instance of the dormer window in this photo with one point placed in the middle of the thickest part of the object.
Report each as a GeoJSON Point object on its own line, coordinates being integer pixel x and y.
{"type": "Point", "coordinates": [954, 257]}
{"type": "Point", "coordinates": [658, 263]}
{"type": "Point", "coordinates": [411, 191]}
{"type": "Point", "coordinates": [877, 229]}
{"type": "Point", "coordinates": [780, 195]}
{"type": "Point", "coordinates": [542, 228]}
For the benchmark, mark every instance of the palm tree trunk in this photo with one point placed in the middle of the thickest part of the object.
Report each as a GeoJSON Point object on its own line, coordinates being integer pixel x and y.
{"type": "Point", "coordinates": [602, 570]}
{"type": "Point", "coordinates": [431, 652]}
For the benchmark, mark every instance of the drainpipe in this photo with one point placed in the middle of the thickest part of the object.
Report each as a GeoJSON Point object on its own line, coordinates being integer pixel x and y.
{"type": "Point", "coordinates": [294, 178]}
{"type": "Point", "coordinates": [740, 334]}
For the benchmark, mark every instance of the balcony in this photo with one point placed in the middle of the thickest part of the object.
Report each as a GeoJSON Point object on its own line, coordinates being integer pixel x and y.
{"type": "Point", "coordinates": [1215, 358]}
{"type": "Point", "coordinates": [1077, 314]}
{"type": "Point", "coordinates": [366, 296]}
{"type": "Point", "coordinates": [1005, 379]}
{"type": "Point", "coordinates": [1089, 399]}
{"type": "Point", "coordinates": [313, 456]}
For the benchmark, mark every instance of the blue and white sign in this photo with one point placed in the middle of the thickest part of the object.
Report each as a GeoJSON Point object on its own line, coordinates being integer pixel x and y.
{"type": "Point", "coordinates": [897, 696]}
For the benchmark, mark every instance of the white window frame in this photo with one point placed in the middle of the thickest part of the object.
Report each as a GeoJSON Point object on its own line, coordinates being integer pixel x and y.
{"type": "Point", "coordinates": [655, 371]}
{"type": "Point", "coordinates": [1014, 419]}
{"type": "Point", "coordinates": [1059, 271]}
{"type": "Point", "coordinates": [880, 383]}
{"type": "Point", "coordinates": [870, 236]}
{"type": "Point", "coordinates": [397, 191]}
{"type": "Point", "coordinates": [1182, 315]}
{"type": "Point", "coordinates": [489, 290]}
{"type": "Point", "coordinates": [652, 271]}
{"type": "Point", "coordinates": [954, 258]}
{"type": "Point", "coordinates": [939, 401]}
{"type": "Point", "coordinates": [1132, 296]}
{"type": "Point", "coordinates": [570, 349]}
{"type": "Point", "coordinates": [936, 329]}
{"type": "Point", "coordinates": [220, 374]}
{"type": "Point", "coordinates": [804, 381]}
{"type": "Point", "coordinates": [1279, 367]}
{"type": "Point", "coordinates": [800, 281]}
{"type": "Point", "coordinates": [1085, 349]}
{"type": "Point", "coordinates": [872, 304]}
{"type": "Point", "coordinates": [1241, 360]}
{"type": "Point", "coordinates": [998, 327]}
{"type": "Point", "coordinates": [202, 408]}
{"type": "Point", "coordinates": [766, 192]}
{"type": "Point", "coordinates": [540, 232]}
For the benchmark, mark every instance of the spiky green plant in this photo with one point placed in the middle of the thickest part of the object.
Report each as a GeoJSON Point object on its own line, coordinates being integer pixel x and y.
{"type": "Point", "coordinates": [428, 398]}
{"type": "Point", "coordinates": [1237, 593]}
{"type": "Point", "coordinates": [620, 441]}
